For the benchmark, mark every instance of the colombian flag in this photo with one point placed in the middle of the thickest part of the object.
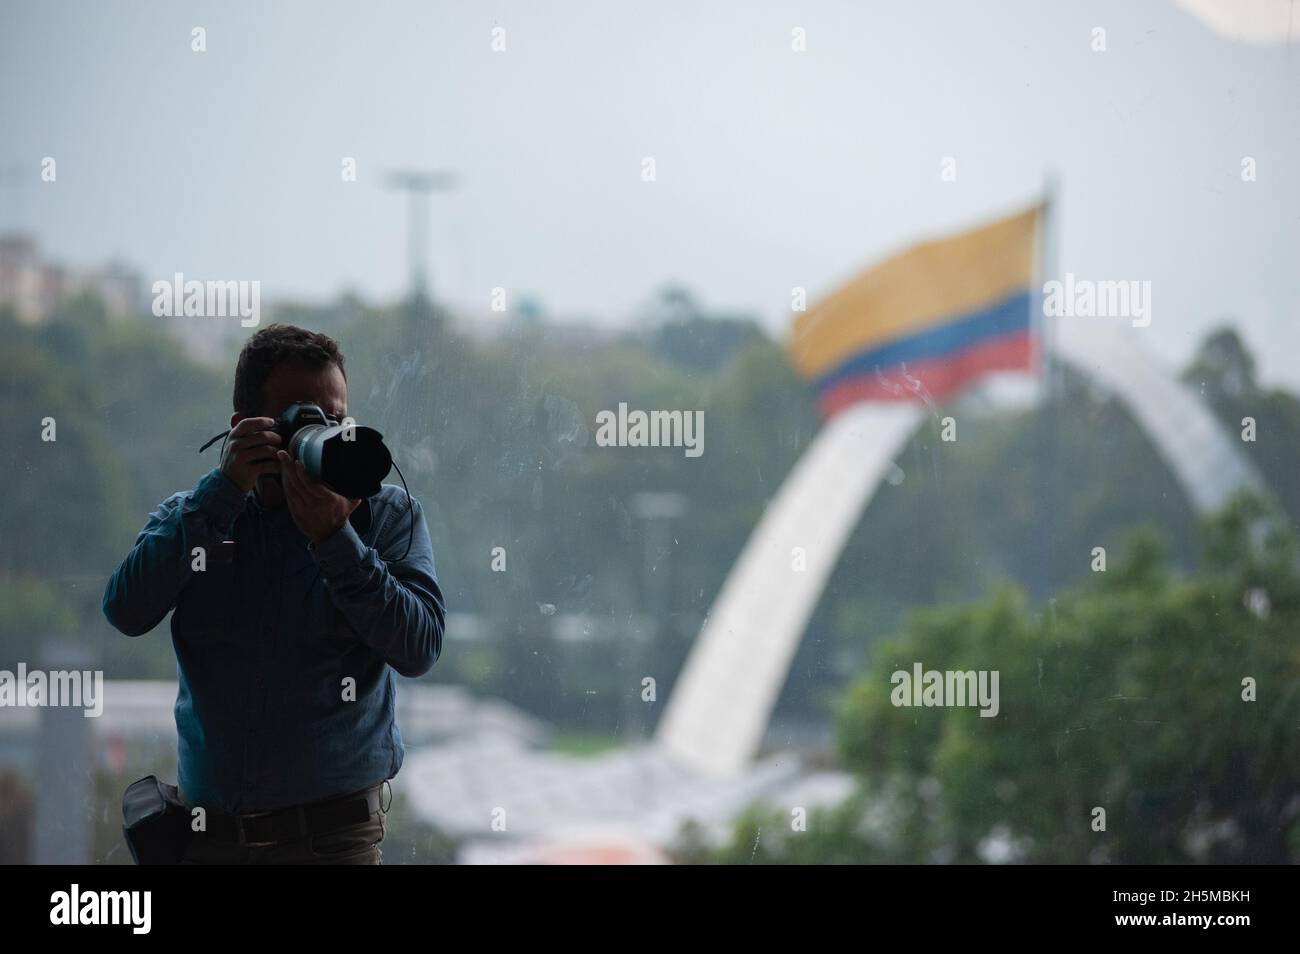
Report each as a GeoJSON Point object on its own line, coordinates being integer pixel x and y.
{"type": "Point", "coordinates": [927, 322]}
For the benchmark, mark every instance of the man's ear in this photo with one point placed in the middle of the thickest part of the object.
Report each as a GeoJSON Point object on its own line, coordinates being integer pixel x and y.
{"type": "Point", "coordinates": [235, 419]}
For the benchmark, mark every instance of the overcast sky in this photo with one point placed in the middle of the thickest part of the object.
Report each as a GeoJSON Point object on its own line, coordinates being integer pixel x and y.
{"type": "Point", "coordinates": [775, 168]}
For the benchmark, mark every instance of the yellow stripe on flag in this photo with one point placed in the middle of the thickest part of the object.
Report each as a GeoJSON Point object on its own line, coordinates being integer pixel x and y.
{"type": "Point", "coordinates": [927, 285]}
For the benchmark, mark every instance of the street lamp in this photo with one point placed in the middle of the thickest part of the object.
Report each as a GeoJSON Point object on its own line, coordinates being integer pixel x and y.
{"type": "Point", "coordinates": [418, 185]}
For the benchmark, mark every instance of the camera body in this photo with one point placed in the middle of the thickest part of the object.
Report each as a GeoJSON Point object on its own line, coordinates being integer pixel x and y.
{"type": "Point", "coordinates": [347, 458]}
{"type": "Point", "coordinates": [295, 418]}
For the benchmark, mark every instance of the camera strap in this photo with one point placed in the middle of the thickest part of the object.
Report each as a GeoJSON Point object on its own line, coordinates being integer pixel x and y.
{"type": "Point", "coordinates": [225, 433]}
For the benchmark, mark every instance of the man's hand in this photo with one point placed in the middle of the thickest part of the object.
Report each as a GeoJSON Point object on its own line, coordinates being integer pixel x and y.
{"type": "Point", "coordinates": [250, 452]}
{"type": "Point", "coordinates": [316, 509]}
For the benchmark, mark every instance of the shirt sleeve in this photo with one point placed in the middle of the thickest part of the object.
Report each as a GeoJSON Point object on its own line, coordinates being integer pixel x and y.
{"type": "Point", "coordinates": [147, 584]}
{"type": "Point", "coordinates": [394, 605]}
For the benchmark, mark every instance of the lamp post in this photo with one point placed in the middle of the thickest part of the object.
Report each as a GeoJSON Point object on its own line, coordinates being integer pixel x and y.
{"type": "Point", "coordinates": [418, 185]}
{"type": "Point", "coordinates": [656, 510]}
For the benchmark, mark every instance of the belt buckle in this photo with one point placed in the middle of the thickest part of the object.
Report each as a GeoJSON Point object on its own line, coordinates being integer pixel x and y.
{"type": "Point", "coordinates": [251, 816]}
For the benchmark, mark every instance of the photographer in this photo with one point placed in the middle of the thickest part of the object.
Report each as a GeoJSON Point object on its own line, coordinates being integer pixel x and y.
{"type": "Point", "coordinates": [293, 608]}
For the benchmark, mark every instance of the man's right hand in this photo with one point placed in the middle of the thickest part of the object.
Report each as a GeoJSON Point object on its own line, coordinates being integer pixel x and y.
{"type": "Point", "coordinates": [250, 452]}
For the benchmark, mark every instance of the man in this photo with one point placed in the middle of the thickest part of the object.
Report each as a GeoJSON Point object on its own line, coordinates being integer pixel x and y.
{"type": "Point", "coordinates": [293, 608]}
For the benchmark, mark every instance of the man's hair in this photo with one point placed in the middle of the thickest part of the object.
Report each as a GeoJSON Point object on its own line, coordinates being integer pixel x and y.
{"type": "Point", "coordinates": [272, 347]}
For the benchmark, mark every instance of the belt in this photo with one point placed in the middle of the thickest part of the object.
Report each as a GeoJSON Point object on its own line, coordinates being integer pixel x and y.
{"type": "Point", "coordinates": [297, 821]}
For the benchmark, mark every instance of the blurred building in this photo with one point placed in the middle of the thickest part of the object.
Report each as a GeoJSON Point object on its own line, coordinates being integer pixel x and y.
{"type": "Point", "coordinates": [34, 286]}
{"type": "Point", "coordinates": [138, 725]}
{"type": "Point", "coordinates": [508, 802]}
{"type": "Point", "coordinates": [24, 282]}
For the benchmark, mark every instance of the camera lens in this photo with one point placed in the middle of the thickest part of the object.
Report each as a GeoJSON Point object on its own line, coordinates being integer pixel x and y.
{"type": "Point", "coordinates": [348, 459]}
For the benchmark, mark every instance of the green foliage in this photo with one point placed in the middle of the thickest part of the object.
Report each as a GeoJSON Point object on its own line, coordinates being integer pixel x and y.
{"type": "Point", "coordinates": [128, 409]}
{"type": "Point", "coordinates": [1223, 373]}
{"type": "Point", "coordinates": [832, 836]}
{"type": "Point", "coordinates": [1125, 694]}
{"type": "Point", "coordinates": [31, 610]}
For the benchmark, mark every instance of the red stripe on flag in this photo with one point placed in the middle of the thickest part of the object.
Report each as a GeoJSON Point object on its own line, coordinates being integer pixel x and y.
{"type": "Point", "coordinates": [938, 379]}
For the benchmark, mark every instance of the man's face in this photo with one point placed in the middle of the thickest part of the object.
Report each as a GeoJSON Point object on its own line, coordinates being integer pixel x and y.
{"type": "Point", "coordinates": [296, 384]}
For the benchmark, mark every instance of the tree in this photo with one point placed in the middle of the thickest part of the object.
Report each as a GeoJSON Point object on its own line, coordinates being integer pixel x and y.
{"type": "Point", "coordinates": [1171, 704]}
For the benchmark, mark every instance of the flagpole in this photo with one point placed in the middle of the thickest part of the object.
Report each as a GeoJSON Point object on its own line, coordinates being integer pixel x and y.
{"type": "Point", "coordinates": [1049, 393]}
{"type": "Point", "coordinates": [1048, 226]}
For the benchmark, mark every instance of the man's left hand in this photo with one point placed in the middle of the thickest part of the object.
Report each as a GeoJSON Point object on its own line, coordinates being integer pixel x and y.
{"type": "Point", "coordinates": [317, 510]}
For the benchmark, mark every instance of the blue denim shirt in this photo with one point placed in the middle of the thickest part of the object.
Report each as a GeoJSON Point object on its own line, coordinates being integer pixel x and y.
{"type": "Point", "coordinates": [285, 652]}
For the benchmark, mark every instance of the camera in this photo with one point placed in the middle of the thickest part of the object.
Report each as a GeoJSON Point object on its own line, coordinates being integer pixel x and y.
{"type": "Point", "coordinates": [347, 458]}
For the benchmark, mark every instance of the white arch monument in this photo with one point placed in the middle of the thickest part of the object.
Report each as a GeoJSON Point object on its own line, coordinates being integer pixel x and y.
{"type": "Point", "coordinates": [719, 709]}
